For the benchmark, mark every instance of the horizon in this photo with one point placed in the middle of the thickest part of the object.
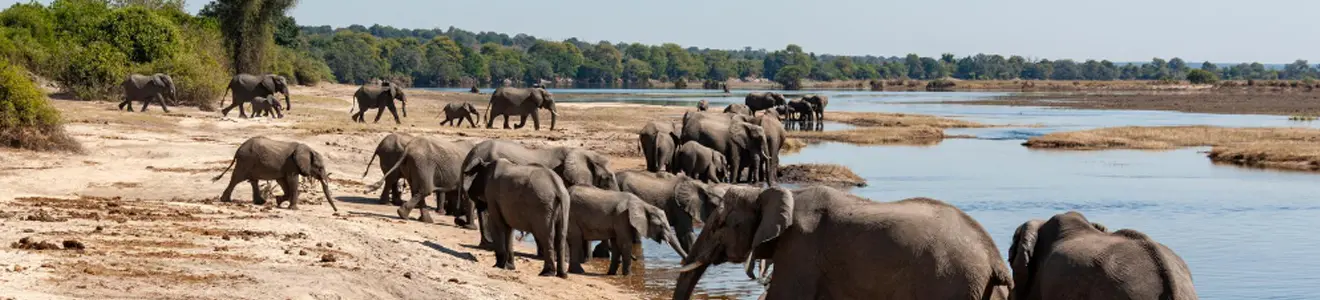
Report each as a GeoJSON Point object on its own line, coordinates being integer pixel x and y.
{"type": "Point", "coordinates": [1106, 31]}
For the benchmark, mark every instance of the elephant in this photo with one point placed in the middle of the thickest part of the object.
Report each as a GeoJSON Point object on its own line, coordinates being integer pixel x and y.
{"type": "Point", "coordinates": [1049, 259]}
{"type": "Point", "coordinates": [380, 98]}
{"type": "Point", "coordinates": [390, 150]}
{"type": "Point", "coordinates": [429, 165]}
{"type": "Point", "coordinates": [732, 137]}
{"type": "Point", "coordinates": [620, 218]}
{"type": "Point", "coordinates": [684, 200]}
{"type": "Point", "coordinates": [818, 103]}
{"type": "Point", "coordinates": [573, 165]}
{"type": "Point", "coordinates": [658, 140]}
{"type": "Point", "coordinates": [529, 198]}
{"type": "Point", "coordinates": [703, 105]}
{"type": "Point", "coordinates": [455, 113]}
{"type": "Point", "coordinates": [767, 170]}
{"type": "Point", "coordinates": [261, 158]}
{"type": "Point", "coordinates": [763, 100]}
{"type": "Point", "coordinates": [507, 101]}
{"type": "Point", "coordinates": [146, 88]}
{"type": "Point", "coordinates": [700, 162]}
{"type": "Point", "coordinates": [801, 111]}
{"type": "Point", "coordinates": [827, 244]}
{"type": "Point", "coordinates": [266, 106]}
{"type": "Point", "coordinates": [474, 90]}
{"type": "Point", "coordinates": [247, 86]}
{"type": "Point", "coordinates": [736, 108]}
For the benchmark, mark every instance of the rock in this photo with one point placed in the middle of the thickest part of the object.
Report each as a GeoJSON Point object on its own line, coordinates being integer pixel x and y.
{"type": "Point", "coordinates": [328, 257]}
{"type": "Point", "coordinates": [302, 252]}
{"type": "Point", "coordinates": [329, 245]}
{"type": "Point", "coordinates": [225, 237]}
{"type": "Point", "coordinates": [98, 229]}
{"type": "Point", "coordinates": [74, 245]}
{"type": "Point", "coordinates": [407, 275]}
{"type": "Point", "coordinates": [29, 230]}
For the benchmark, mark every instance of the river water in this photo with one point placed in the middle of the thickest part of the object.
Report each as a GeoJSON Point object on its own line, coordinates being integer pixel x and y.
{"type": "Point", "coordinates": [1245, 233]}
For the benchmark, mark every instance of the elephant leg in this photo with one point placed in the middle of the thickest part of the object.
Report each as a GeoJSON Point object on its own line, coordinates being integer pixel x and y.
{"type": "Point", "coordinates": [392, 113]}
{"type": "Point", "coordinates": [234, 179]}
{"type": "Point", "coordinates": [163, 107]}
{"type": "Point", "coordinates": [146, 102]}
{"type": "Point", "coordinates": [469, 119]}
{"type": "Point", "coordinates": [290, 185]}
{"type": "Point", "coordinates": [256, 193]}
{"type": "Point", "coordinates": [536, 121]}
{"type": "Point", "coordinates": [603, 250]}
{"type": "Point", "coordinates": [387, 190]}
{"type": "Point", "coordinates": [379, 112]}
{"type": "Point", "coordinates": [506, 121]}
{"type": "Point", "coordinates": [490, 121]}
{"type": "Point", "coordinates": [418, 196]}
{"type": "Point", "coordinates": [278, 112]}
{"type": "Point", "coordinates": [503, 235]}
{"type": "Point", "coordinates": [625, 251]}
{"type": "Point", "coordinates": [242, 113]}
{"type": "Point", "coordinates": [128, 102]}
{"type": "Point", "coordinates": [522, 121]}
{"type": "Point", "coordinates": [446, 121]}
{"type": "Point", "coordinates": [616, 257]}
{"type": "Point", "coordinates": [545, 245]}
{"type": "Point", "coordinates": [577, 253]}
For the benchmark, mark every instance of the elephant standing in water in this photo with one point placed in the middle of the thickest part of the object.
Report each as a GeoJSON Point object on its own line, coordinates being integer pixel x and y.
{"type": "Point", "coordinates": [455, 113]}
{"type": "Point", "coordinates": [684, 200]}
{"type": "Point", "coordinates": [728, 135]}
{"type": "Point", "coordinates": [617, 218]}
{"type": "Point", "coordinates": [260, 158]}
{"type": "Point", "coordinates": [380, 98]}
{"type": "Point", "coordinates": [507, 101]}
{"type": "Point", "coordinates": [1051, 258]}
{"type": "Point", "coordinates": [767, 168]}
{"type": "Point", "coordinates": [658, 140]}
{"type": "Point", "coordinates": [527, 198]}
{"type": "Point", "coordinates": [247, 86]}
{"type": "Point", "coordinates": [827, 244]}
{"type": "Point", "coordinates": [818, 103]}
{"type": "Point", "coordinates": [146, 88]}
{"type": "Point", "coordinates": [763, 100]}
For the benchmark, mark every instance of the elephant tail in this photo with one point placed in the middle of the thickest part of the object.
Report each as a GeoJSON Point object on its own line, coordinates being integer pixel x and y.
{"type": "Point", "coordinates": [372, 160]}
{"type": "Point", "coordinates": [488, 105]}
{"type": "Point", "coordinates": [222, 96]}
{"type": "Point", "coordinates": [1161, 266]}
{"type": "Point", "coordinates": [374, 186]}
{"type": "Point", "coordinates": [999, 276]}
{"type": "Point", "coordinates": [222, 173]}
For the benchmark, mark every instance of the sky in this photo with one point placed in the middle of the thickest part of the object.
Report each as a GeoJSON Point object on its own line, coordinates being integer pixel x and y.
{"type": "Point", "coordinates": [1221, 31]}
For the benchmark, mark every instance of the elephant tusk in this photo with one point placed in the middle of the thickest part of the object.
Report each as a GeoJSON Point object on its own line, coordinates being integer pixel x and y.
{"type": "Point", "coordinates": [691, 266]}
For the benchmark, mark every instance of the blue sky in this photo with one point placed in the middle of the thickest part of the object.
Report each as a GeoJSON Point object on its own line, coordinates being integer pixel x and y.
{"type": "Point", "coordinates": [1269, 31]}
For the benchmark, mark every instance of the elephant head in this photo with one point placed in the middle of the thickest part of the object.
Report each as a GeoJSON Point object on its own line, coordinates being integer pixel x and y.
{"type": "Point", "coordinates": [1036, 238]}
{"type": "Point", "coordinates": [648, 221]}
{"type": "Point", "coordinates": [745, 226]}
{"type": "Point", "coordinates": [278, 84]}
{"type": "Point", "coordinates": [749, 137]}
{"type": "Point", "coordinates": [311, 164]}
{"type": "Point", "coordinates": [396, 93]}
{"type": "Point", "coordinates": [720, 163]}
{"type": "Point", "coordinates": [164, 81]}
{"type": "Point", "coordinates": [582, 165]}
{"type": "Point", "coordinates": [779, 98]}
{"type": "Point", "coordinates": [696, 200]}
{"type": "Point", "coordinates": [471, 109]}
{"type": "Point", "coordinates": [547, 101]}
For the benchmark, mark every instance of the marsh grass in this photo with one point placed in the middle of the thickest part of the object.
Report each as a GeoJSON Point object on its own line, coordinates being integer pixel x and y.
{"type": "Point", "coordinates": [826, 174]}
{"type": "Point", "coordinates": [916, 135]}
{"type": "Point", "coordinates": [1170, 137]}
{"type": "Point", "coordinates": [873, 119]}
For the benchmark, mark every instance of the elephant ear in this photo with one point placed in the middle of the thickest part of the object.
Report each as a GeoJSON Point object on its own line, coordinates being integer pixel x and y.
{"type": "Point", "coordinates": [689, 196]}
{"type": "Point", "coordinates": [776, 205]}
{"type": "Point", "coordinates": [1020, 253]}
{"type": "Point", "coordinates": [738, 135]}
{"type": "Point", "coordinates": [302, 156]}
{"type": "Point", "coordinates": [637, 219]}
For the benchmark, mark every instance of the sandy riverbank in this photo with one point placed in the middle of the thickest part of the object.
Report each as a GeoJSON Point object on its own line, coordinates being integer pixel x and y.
{"type": "Point", "coordinates": [1274, 148]}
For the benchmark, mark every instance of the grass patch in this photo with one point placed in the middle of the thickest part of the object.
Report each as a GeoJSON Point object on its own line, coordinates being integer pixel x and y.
{"type": "Point", "coordinates": [1285, 155]}
{"type": "Point", "coordinates": [872, 119]}
{"type": "Point", "coordinates": [1170, 137]}
{"type": "Point", "coordinates": [1302, 118]}
{"type": "Point", "coordinates": [825, 174]}
{"type": "Point", "coordinates": [919, 135]}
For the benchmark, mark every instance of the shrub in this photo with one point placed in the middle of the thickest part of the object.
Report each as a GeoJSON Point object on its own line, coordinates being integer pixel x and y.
{"type": "Point", "coordinates": [26, 118]}
{"type": "Point", "coordinates": [940, 85]}
{"type": "Point", "coordinates": [93, 72]}
{"type": "Point", "coordinates": [141, 34]}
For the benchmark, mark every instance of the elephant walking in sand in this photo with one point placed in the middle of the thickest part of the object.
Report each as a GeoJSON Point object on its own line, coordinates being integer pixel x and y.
{"type": "Point", "coordinates": [247, 87]}
{"type": "Point", "coordinates": [380, 98]}
{"type": "Point", "coordinates": [156, 87]}
{"type": "Point", "coordinates": [507, 101]}
{"type": "Point", "coordinates": [455, 113]}
{"type": "Point", "coordinates": [658, 141]}
{"type": "Point", "coordinates": [260, 158]}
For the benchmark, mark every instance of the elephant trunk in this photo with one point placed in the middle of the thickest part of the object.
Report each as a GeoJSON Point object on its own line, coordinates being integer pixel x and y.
{"type": "Point", "coordinates": [404, 107]}
{"type": "Point", "coordinates": [287, 105]}
{"type": "Point", "coordinates": [554, 114]}
{"type": "Point", "coordinates": [673, 242]}
{"type": "Point", "coordinates": [687, 282]}
{"type": "Point", "coordinates": [325, 188]}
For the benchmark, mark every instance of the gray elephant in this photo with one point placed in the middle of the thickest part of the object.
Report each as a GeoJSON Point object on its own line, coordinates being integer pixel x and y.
{"type": "Point", "coordinates": [260, 158]}
{"type": "Point", "coordinates": [802, 111]}
{"type": "Point", "coordinates": [145, 88]}
{"type": "Point", "coordinates": [266, 106]}
{"type": "Point", "coordinates": [619, 218]}
{"type": "Point", "coordinates": [734, 138]}
{"type": "Point", "coordinates": [527, 198]}
{"type": "Point", "coordinates": [380, 98]}
{"type": "Point", "coordinates": [1049, 259]}
{"type": "Point", "coordinates": [827, 244]}
{"type": "Point", "coordinates": [573, 165]}
{"type": "Point", "coordinates": [767, 170]}
{"type": "Point", "coordinates": [247, 86]}
{"type": "Point", "coordinates": [736, 108]}
{"type": "Point", "coordinates": [684, 200]}
{"type": "Point", "coordinates": [818, 103]}
{"type": "Point", "coordinates": [455, 113]}
{"type": "Point", "coordinates": [429, 165]}
{"type": "Point", "coordinates": [390, 150]}
{"type": "Point", "coordinates": [658, 140]}
{"type": "Point", "coordinates": [759, 101]}
{"type": "Point", "coordinates": [507, 101]}
{"type": "Point", "coordinates": [701, 162]}
{"type": "Point", "coordinates": [703, 105]}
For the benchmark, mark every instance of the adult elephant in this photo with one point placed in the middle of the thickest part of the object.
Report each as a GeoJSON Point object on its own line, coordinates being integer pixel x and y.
{"type": "Point", "coordinates": [618, 218]}
{"type": "Point", "coordinates": [763, 100]}
{"type": "Point", "coordinates": [158, 87]}
{"type": "Point", "coordinates": [1049, 259]}
{"type": "Point", "coordinates": [380, 98]}
{"type": "Point", "coordinates": [508, 101]}
{"type": "Point", "coordinates": [260, 158]}
{"type": "Point", "coordinates": [248, 86]}
{"type": "Point", "coordinates": [801, 111]}
{"type": "Point", "coordinates": [732, 137]}
{"type": "Point", "coordinates": [430, 165]}
{"type": "Point", "coordinates": [684, 200]}
{"type": "Point", "coordinates": [818, 103]}
{"type": "Point", "coordinates": [827, 244]}
{"type": "Point", "coordinates": [767, 169]}
{"type": "Point", "coordinates": [574, 165]}
{"type": "Point", "coordinates": [658, 140]}
{"type": "Point", "coordinates": [527, 198]}
{"type": "Point", "coordinates": [390, 150]}
{"type": "Point", "coordinates": [739, 109]}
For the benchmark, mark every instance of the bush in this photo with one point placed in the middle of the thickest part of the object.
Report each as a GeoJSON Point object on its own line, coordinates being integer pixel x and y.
{"type": "Point", "coordinates": [26, 118]}
{"type": "Point", "coordinates": [141, 34]}
{"type": "Point", "coordinates": [94, 72]}
{"type": "Point", "coordinates": [1199, 76]}
{"type": "Point", "coordinates": [940, 85]}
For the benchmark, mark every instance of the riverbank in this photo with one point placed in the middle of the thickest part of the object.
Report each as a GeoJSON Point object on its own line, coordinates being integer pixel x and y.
{"type": "Point", "coordinates": [1216, 101]}
{"type": "Point", "coordinates": [1271, 148]}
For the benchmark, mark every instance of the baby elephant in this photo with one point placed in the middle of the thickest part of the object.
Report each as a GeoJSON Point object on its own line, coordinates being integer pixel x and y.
{"type": "Point", "coordinates": [261, 158]}
{"type": "Point", "coordinates": [455, 113]}
{"type": "Point", "coordinates": [703, 105]}
{"type": "Point", "coordinates": [700, 162]}
{"type": "Point", "coordinates": [263, 106]}
{"type": "Point", "coordinates": [527, 198]}
{"type": "Point", "coordinates": [618, 218]}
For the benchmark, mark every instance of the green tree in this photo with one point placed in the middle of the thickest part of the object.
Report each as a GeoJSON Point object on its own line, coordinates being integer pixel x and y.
{"type": "Point", "coordinates": [602, 63]}
{"type": "Point", "coordinates": [354, 57]}
{"type": "Point", "coordinates": [442, 63]}
{"type": "Point", "coordinates": [790, 77]}
{"type": "Point", "coordinates": [1209, 67]}
{"type": "Point", "coordinates": [141, 34]}
{"type": "Point", "coordinates": [504, 63]}
{"type": "Point", "coordinates": [636, 70]}
{"type": "Point", "coordinates": [792, 55]}
{"type": "Point", "coordinates": [719, 65]}
{"type": "Point", "coordinates": [475, 65]}
{"type": "Point", "coordinates": [564, 57]}
{"type": "Point", "coordinates": [1199, 76]}
{"type": "Point", "coordinates": [248, 26]}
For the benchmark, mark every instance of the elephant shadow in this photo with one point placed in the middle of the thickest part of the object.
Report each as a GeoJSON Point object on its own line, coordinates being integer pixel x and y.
{"type": "Point", "coordinates": [460, 255]}
{"type": "Point", "coordinates": [358, 200]}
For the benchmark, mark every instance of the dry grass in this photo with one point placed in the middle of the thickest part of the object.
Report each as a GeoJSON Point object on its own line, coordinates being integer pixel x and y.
{"type": "Point", "coordinates": [825, 174]}
{"type": "Point", "coordinates": [791, 146]}
{"type": "Point", "coordinates": [874, 119]}
{"type": "Point", "coordinates": [1171, 137]}
{"type": "Point", "coordinates": [1286, 155]}
{"type": "Point", "coordinates": [916, 135]}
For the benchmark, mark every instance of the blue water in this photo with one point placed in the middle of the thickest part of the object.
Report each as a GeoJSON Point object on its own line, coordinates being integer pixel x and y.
{"type": "Point", "coordinates": [1245, 233]}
